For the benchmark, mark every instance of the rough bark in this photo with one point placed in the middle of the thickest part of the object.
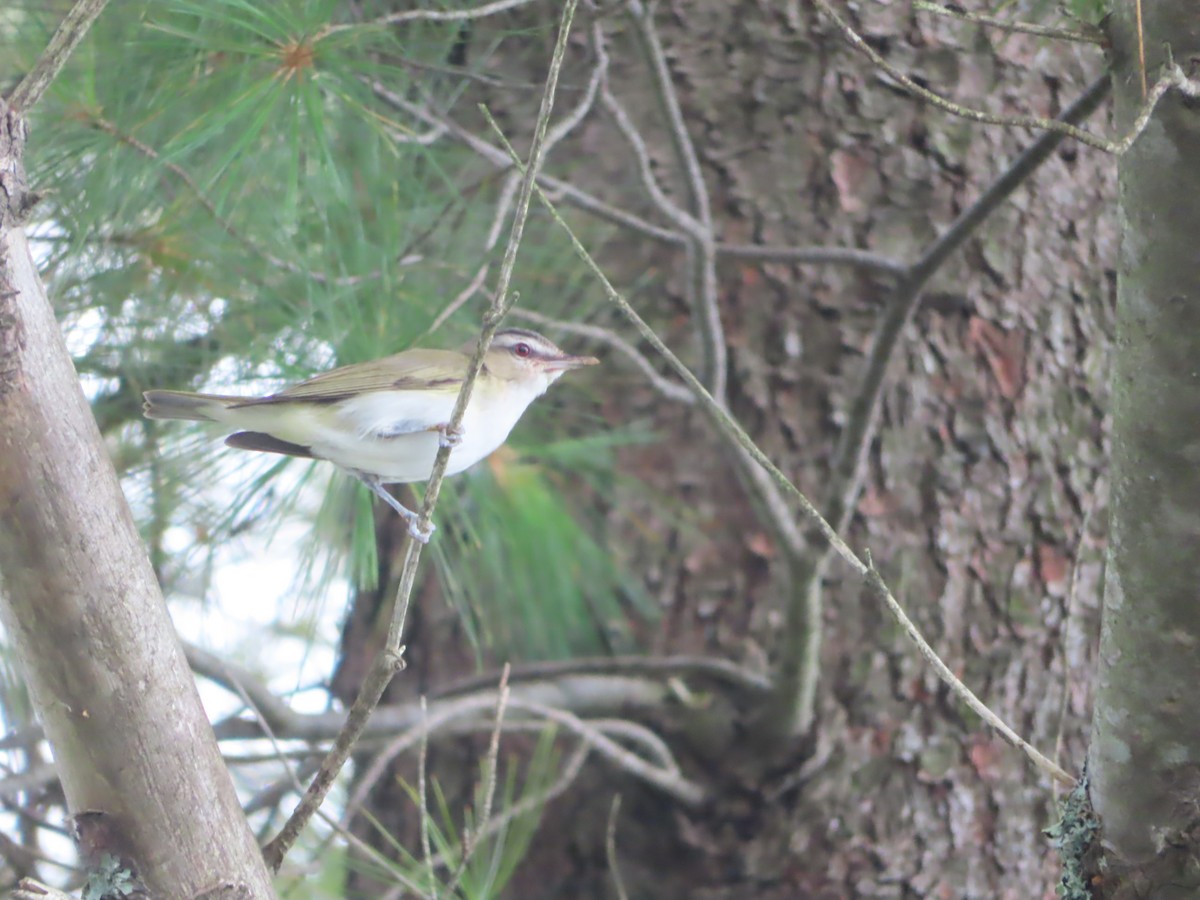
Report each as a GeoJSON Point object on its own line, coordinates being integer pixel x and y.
{"type": "Point", "coordinates": [1145, 753]}
{"type": "Point", "coordinates": [986, 470]}
{"type": "Point", "coordinates": [85, 616]}
{"type": "Point", "coordinates": [985, 497]}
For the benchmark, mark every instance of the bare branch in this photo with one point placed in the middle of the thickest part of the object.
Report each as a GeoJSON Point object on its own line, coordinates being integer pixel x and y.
{"type": "Point", "coordinates": [1173, 76]}
{"type": "Point", "coordinates": [733, 432]}
{"type": "Point", "coordinates": [668, 389]}
{"type": "Point", "coordinates": [228, 227]}
{"type": "Point", "coordinates": [580, 199]}
{"type": "Point", "coordinates": [431, 15]}
{"type": "Point", "coordinates": [1092, 35]}
{"type": "Point", "coordinates": [720, 670]}
{"type": "Point", "coordinates": [837, 256]}
{"type": "Point", "coordinates": [610, 848]}
{"type": "Point", "coordinates": [701, 250]}
{"type": "Point", "coordinates": [856, 436]}
{"type": "Point", "coordinates": [65, 39]}
{"type": "Point", "coordinates": [491, 768]}
{"type": "Point", "coordinates": [390, 659]}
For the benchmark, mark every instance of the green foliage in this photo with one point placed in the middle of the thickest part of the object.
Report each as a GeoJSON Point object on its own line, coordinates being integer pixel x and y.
{"type": "Point", "coordinates": [233, 205]}
{"type": "Point", "coordinates": [478, 857]}
{"type": "Point", "coordinates": [522, 562]}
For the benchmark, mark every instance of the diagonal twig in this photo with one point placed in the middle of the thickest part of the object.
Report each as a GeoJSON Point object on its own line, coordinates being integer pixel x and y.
{"type": "Point", "coordinates": [391, 659]}
{"type": "Point", "coordinates": [430, 15]}
{"type": "Point", "coordinates": [736, 434]}
{"type": "Point", "coordinates": [66, 37]}
{"type": "Point", "coordinates": [1172, 77]}
{"type": "Point", "coordinates": [1091, 35]}
{"type": "Point", "coordinates": [701, 249]}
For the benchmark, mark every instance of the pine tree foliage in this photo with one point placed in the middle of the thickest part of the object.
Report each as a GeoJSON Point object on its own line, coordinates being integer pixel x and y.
{"type": "Point", "coordinates": [233, 204]}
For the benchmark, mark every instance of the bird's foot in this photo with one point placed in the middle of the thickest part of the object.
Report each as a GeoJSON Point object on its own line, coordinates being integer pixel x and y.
{"type": "Point", "coordinates": [418, 533]}
{"type": "Point", "coordinates": [449, 437]}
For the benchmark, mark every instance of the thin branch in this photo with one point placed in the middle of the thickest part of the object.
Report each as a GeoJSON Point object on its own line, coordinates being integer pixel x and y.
{"type": "Point", "coordinates": [533, 802]}
{"type": "Point", "coordinates": [721, 670]}
{"type": "Point", "coordinates": [391, 659]}
{"type": "Point", "coordinates": [32, 889]}
{"type": "Point", "coordinates": [668, 389]}
{"type": "Point", "coordinates": [429, 15]}
{"type": "Point", "coordinates": [64, 40]}
{"type": "Point", "coordinates": [228, 227]}
{"type": "Point", "coordinates": [466, 715]}
{"type": "Point", "coordinates": [701, 250]}
{"type": "Point", "coordinates": [497, 157]}
{"type": "Point", "coordinates": [856, 436]}
{"type": "Point", "coordinates": [1092, 35]}
{"type": "Point", "coordinates": [589, 203]}
{"type": "Point", "coordinates": [422, 794]}
{"type": "Point", "coordinates": [1173, 77]}
{"type": "Point", "coordinates": [799, 668]}
{"type": "Point", "coordinates": [610, 848]}
{"type": "Point", "coordinates": [735, 434]}
{"type": "Point", "coordinates": [491, 769]}
{"type": "Point", "coordinates": [836, 256]}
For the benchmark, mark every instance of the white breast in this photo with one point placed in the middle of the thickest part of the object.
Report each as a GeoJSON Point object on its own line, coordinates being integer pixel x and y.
{"type": "Point", "coordinates": [392, 434]}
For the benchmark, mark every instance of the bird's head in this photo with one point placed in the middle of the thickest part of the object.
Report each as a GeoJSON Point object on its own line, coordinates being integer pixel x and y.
{"type": "Point", "coordinates": [528, 358]}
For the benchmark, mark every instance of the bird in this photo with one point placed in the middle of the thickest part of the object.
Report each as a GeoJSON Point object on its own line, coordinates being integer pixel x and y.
{"type": "Point", "coordinates": [383, 421]}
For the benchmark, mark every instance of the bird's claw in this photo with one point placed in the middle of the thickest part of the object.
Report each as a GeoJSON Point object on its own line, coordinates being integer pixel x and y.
{"type": "Point", "coordinates": [449, 437]}
{"type": "Point", "coordinates": [419, 534]}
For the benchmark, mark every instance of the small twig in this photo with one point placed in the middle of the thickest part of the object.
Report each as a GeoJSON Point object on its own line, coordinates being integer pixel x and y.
{"type": "Point", "coordinates": [856, 436]}
{"type": "Point", "coordinates": [589, 203]}
{"type": "Point", "coordinates": [462, 297]}
{"type": "Point", "coordinates": [1091, 36]}
{"type": "Point", "coordinates": [32, 889]}
{"type": "Point", "coordinates": [66, 38]}
{"type": "Point", "coordinates": [610, 848]}
{"type": "Point", "coordinates": [228, 227]}
{"type": "Point", "coordinates": [1068, 616]}
{"type": "Point", "coordinates": [472, 838]}
{"type": "Point", "coordinates": [736, 435]}
{"type": "Point", "coordinates": [669, 99]}
{"type": "Point", "coordinates": [391, 658]}
{"type": "Point", "coordinates": [877, 587]}
{"type": "Point", "coordinates": [701, 250]}
{"type": "Point", "coordinates": [823, 256]}
{"type": "Point", "coordinates": [667, 389]}
{"type": "Point", "coordinates": [533, 802]}
{"type": "Point", "coordinates": [1141, 34]}
{"type": "Point", "coordinates": [1172, 77]}
{"type": "Point", "coordinates": [429, 15]}
{"type": "Point", "coordinates": [423, 797]}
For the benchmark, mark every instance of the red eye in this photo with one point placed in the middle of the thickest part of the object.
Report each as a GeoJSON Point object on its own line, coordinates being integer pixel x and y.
{"type": "Point", "coordinates": [522, 350]}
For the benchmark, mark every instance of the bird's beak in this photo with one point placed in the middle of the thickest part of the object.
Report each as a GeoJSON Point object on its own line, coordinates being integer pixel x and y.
{"type": "Point", "coordinates": [565, 363]}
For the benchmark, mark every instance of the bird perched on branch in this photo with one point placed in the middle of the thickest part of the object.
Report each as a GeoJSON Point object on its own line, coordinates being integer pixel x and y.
{"type": "Point", "coordinates": [383, 421]}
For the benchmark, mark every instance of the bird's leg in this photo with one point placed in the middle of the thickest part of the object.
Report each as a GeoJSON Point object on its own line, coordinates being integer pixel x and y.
{"type": "Point", "coordinates": [447, 436]}
{"type": "Point", "coordinates": [375, 486]}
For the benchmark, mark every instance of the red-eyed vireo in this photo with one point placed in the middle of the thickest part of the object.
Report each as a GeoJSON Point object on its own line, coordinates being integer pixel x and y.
{"type": "Point", "coordinates": [383, 421]}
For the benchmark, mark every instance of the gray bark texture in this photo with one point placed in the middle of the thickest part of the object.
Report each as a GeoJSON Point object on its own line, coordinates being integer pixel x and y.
{"type": "Point", "coordinates": [136, 755]}
{"type": "Point", "coordinates": [1144, 758]}
{"type": "Point", "coordinates": [985, 494]}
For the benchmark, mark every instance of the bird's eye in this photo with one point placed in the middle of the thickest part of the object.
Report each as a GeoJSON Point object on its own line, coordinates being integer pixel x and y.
{"type": "Point", "coordinates": [522, 350]}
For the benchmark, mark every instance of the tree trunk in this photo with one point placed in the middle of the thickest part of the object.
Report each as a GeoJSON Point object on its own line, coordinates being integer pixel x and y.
{"type": "Point", "coordinates": [82, 610]}
{"type": "Point", "coordinates": [1145, 753]}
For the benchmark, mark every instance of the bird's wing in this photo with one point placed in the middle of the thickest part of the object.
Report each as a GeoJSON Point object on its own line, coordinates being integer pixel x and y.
{"type": "Point", "coordinates": [422, 370]}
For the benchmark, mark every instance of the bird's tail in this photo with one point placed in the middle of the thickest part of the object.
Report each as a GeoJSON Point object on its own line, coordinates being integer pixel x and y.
{"type": "Point", "coordinates": [182, 405]}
